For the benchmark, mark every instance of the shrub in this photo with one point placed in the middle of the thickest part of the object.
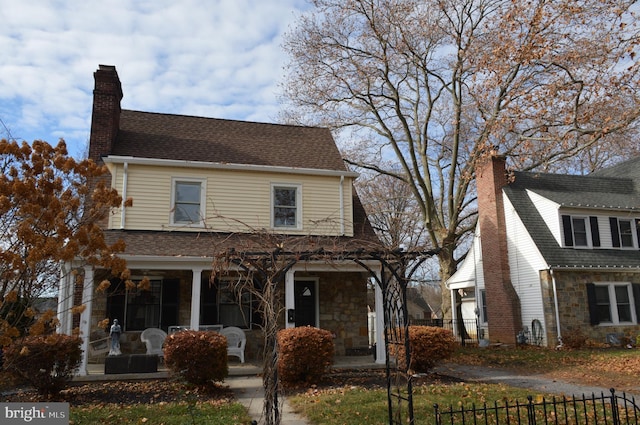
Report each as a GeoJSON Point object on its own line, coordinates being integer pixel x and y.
{"type": "Point", "coordinates": [428, 346]}
{"type": "Point", "coordinates": [197, 356]}
{"type": "Point", "coordinates": [305, 354]}
{"type": "Point", "coordinates": [47, 362]}
{"type": "Point", "coordinates": [574, 339]}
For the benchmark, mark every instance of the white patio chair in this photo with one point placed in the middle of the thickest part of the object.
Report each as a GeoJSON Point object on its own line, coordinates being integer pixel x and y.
{"type": "Point", "coordinates": [154, 338]}
{"type": "Point", "coordinates": [236, 341]}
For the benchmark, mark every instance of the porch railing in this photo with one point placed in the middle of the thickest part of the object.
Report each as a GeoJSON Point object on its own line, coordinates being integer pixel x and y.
{"type": "Point", "coordinates": [610, 409]}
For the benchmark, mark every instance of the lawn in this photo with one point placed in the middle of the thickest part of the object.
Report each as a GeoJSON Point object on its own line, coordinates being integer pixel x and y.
{"type": "Point", "coordinates": [364, 404]}
{"type": "Point", "coordinates": [605, 367]}
{"type": "Point", "coordinates": [346, 397]}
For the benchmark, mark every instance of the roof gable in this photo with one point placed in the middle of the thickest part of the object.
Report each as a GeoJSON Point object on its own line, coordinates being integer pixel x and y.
{"type": "Point", "coordinates": [188, 138]}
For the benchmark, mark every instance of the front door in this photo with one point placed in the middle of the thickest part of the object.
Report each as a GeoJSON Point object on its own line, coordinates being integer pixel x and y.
{"type": "Point", "coordinates": [305, 302]}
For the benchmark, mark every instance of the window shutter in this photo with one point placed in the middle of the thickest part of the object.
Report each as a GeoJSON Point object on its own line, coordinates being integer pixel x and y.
{"type": "Point", "coordinates": [593, 307]}
{"type": "Point", "coordinates": [638, 231]}
{"type": "Point", "coordinates": [595, 231]}
{"type": "Point", "coordinates": [615, 234]}
{"type": "Point", "coordinates": [568, 234]}
{"type": "Point", "coordinates": [636, 298]}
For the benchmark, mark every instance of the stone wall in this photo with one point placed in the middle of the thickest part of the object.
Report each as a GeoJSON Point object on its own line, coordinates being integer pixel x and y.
{"type": "Point", "coordinates": [343, 310]}
{"type": "Point", "coordinates": [573, 305]}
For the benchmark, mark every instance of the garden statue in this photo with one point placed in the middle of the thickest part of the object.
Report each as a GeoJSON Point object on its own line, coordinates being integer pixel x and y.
{"type": "Point", "coordinates": [115, 332]}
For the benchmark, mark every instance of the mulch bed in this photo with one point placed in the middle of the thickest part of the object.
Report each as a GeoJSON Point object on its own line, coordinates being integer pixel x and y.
{"type": "Point", "coordinates": [168, 390]}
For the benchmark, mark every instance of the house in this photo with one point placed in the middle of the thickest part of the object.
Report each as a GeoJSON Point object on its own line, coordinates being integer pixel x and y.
{"type": "Point", "coordinates": [554, 255]}
{"type": "Point", "coordinates": [200, 186]}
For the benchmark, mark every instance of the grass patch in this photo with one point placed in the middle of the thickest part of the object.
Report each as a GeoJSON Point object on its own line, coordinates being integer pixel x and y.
{"type": "Point", "coordinates": [354, 405]}
{"type": "Point", "coordinates": [161, 413]}
{"type": "Point", "coordinates": [360, 406]}
{"type": "Point", "coordinates": [605, 367]}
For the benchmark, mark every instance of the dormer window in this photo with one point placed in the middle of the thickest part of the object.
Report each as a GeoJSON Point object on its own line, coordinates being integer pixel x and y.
{"type": "Point", "coordinates": [187, 202]}
{"type": "Point", "coordinates": [581, 231]}
{"type": "Point", "coordinates": [623, 232]}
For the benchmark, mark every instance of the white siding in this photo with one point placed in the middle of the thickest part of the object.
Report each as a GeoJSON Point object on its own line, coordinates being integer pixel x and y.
{"type": "Point", "coordinates": [525, 263]}
{"type": "Point", "coordinates": [549, 211]}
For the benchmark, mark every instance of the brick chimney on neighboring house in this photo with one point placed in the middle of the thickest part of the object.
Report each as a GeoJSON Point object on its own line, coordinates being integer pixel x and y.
{"type": "Point", "coordinates": [503, 304]}
{"type": "Point", "coordinates": [105, 119]}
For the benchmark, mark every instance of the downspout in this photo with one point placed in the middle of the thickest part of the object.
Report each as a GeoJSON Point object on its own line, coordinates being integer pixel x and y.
{"type": "Point", "coordinates": [555, 304]}
{"type": "Point", "coordinates": [342, 205]}
{"type": "Point", "coordinates": [124, 194]}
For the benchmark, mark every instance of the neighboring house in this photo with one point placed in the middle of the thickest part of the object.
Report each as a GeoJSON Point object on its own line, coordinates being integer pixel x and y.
{"type": "Point", "coordinates": [202, 185]}
{"type": "Point", "coordinates": [558, 251]}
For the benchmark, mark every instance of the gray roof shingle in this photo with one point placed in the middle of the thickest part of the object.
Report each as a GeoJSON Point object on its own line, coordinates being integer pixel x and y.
{"type": "Point", "coordinates": [616, 188]}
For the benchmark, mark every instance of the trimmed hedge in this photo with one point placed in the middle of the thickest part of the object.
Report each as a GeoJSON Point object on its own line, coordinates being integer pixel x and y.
{"type": "Point", "coordinates": [305, 354]}
{"type": "Point", "coordinates": [47, 362]}
{"type": "Point", "coordinates": [197, 356]}
{"type": "Point", "coordinates": [429, 345]}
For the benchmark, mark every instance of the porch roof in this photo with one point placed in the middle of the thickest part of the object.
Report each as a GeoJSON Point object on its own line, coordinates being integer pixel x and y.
{"type": "Point", "coordinates": [207, 244]}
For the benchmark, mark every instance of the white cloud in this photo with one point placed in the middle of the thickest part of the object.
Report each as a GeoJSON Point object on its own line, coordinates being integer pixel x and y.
{"type": "Point", "coordinates": [217, 58]}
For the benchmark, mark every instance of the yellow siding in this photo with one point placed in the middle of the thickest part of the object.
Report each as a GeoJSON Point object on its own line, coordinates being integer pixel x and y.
{"type": "Point", "coordinates": [236, 201]}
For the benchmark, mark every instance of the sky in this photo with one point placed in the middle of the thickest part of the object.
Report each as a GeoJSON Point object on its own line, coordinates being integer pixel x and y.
{"type": "Point", "coordinates": [211, 58]}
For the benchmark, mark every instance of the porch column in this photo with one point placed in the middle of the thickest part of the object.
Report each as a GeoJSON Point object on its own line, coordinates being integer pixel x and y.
{"type": "Point", "coordinates": [65, 299]}
{"type": "Point", "coordinates": [289, 297]}
{"type": "Point", "coordinates": [380, 342]}
{"type": "Point", "coordinates": [85, 317]}
{"type": "Point", "coordinates": [196, 284]}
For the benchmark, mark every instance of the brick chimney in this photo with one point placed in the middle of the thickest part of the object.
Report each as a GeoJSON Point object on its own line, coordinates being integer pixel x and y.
{"type": "Point", "coordinates": [503, 304]}
{"type": "Point", "coordinates": [105, 119]}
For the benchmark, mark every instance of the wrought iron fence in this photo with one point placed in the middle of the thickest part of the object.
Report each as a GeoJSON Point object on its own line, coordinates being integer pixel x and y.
{"type": "Point", "coordinates": [610, 409]}
{"type": "Point", "coordinates": [465, 331]}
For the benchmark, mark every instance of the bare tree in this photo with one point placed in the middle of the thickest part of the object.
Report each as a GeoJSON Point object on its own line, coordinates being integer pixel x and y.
{"type": "Point", "coordinates": [392, 211]}
{"type": "Point", "coordinates": [435, 84]}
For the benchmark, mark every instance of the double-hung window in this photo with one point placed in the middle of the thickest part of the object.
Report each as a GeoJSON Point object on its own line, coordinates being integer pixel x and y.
{"type": "Point", "coordinates": [624, 232]}
{"type": "Point", "coordinates": [187, 199]}
{"type": "Point", "coordinates": [612, 303]}
{"type": "Point", "coordinates": [286, 208]}
{"type": "Point", "coordinates": [581, 231]}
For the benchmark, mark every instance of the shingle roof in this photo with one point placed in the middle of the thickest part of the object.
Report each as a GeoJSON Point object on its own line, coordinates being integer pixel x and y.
{"type": "Point", "coordinates": [616, 188]}
{"type": "Point", "coordinates": [180, 137]}
{"type": "Point", "coordinates": [591, 191]}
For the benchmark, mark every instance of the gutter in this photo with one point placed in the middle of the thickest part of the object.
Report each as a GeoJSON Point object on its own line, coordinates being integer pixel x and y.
{"type": "Point", "coordinates": [115, 159]}
{"type": "Point", "coordinates": [555, 305]}
{"type": "Point", "coordinates": [124, 194]}
{"type": "Point", "coordinates": [342, 205]}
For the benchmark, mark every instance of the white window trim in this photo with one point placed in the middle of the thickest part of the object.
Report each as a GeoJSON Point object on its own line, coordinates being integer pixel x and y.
{"type": "Point", "coordinates": [203, 191]}
{"type": "Point", "coordinates": [298, 188]}
{"type": "Point", "coordinates": [614, 305]}
{"type": "Point", "coordinates": [587, 226]}
{"type": "Point", "coordinates": [634, 240]}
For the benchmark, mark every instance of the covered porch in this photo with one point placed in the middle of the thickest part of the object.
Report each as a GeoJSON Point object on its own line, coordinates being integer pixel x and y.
{"type": "Point", "coordinates": [181, 293]}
